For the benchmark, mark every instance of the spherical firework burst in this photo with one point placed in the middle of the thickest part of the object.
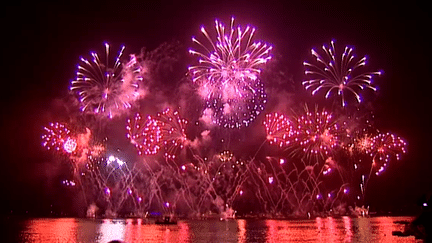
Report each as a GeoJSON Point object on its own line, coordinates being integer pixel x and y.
{"type": "Point", "coordinates": [145, 135]}
{"type": "Point", "coordinates": [279, 129]}
{"type": "Point", "coordinates": [239, 112]}
{"type": "Point", "coordinates": [226, 156]}
{"type": "Point", "coordinates": [70, 145]}
{"type": "Point", "coordinates": [337, 75]}
{"type": "Point", "coordinates": [165, 131]}
{"type": "Point", "coordinates": [364, 144]}
{"type": "Point", "coordinates": [386, 146]}
{"type": "Point", "coordinates": [58, 137]}
{"type": "Point", "coordinates": [76, 146]}
{"type": "Point", "coordinates": [105, 88]}
{"type": "Point", "coordinates": [228, 74]}
{"type": "Point", "coordinates": [315, 135]}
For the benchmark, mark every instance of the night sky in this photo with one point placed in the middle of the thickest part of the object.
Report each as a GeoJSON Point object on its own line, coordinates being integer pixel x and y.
{"type": "Point", "coordinates": [42, 44]}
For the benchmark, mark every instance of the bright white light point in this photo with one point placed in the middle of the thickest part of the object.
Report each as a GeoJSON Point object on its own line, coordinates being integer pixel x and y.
{"type": "Point", "coordinates": [425, 205]}
{"type": "Point", "coordinates": [183, 167]}
{"type": "Point", "coordinates": [70, 145]}
{"type": "Point", "coordinates": [111, 158]}
{"type": "Point", "coordinates": [281, 161]}
{"type": "Point", "coordinates": [329, 195]}
{"type": "Point", "coordinates": [270, 179]}
{"type": "Point", "coordinates": [241, 192]}
{"type": "Point", "coordinates": [167, 204]}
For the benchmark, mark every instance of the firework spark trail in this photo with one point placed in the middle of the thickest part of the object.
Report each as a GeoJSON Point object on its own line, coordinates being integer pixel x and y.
{"type": "Point", "coordinates": [228, 74]}
{"type": "Point", "coordinates": [165, 131]}
{"type": "Point", "coordinates": [105, 89]}
{"type": "Point", "coordinates": [337, 75]}
{"type": "Point", "coordinates": [285, 184]}
{"type": "Point", "coordinates": [116, 183]}
{"type": "Point", "coordinates": [213, 183]}
{"type": "Point", "coordinates": [278, 187]}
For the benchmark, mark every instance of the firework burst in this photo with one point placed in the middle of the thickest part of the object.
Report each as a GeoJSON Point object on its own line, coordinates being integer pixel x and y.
{"type": "Point", "coordinates": [316, 134]}
{"type": "Point", "coordinates": [364, 144]}
{"type": "Point", "coordinates": [279, 129]}
{"type": "Point", "coordinates": [236, 113]}
{"type": "Point", "coordinates": [386, 147]}
{"type": "Point", "coordinates": [313, 135]}
{"type": "Point", "coordinates": [228, 74]}
{"type": "Point", "coordinates": [58, 137]}
{"type": "Point", "coordinates": [339, 75]}
{"type": "Point", "coordinates": [165, 131]}
{"type": "Point", "coordinates": [105, 88]}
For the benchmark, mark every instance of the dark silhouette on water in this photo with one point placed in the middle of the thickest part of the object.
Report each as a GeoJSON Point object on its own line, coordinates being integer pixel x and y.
{"type": "Point", "coordinates": [421, 226]}
{"type": "Point", "coordinates": [167, 220]}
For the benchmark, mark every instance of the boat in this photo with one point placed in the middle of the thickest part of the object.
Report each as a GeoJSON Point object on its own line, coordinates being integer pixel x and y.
{"type": "Point", "coordinates": [167, 220]}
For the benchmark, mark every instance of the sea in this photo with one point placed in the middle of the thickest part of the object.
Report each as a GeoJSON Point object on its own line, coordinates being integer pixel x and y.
{"type": "Point", "coordinates": [328, 229]}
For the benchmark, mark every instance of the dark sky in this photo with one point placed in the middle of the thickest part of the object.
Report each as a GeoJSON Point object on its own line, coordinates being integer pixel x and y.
{"type": "Point", "coordinates": [42, 43]}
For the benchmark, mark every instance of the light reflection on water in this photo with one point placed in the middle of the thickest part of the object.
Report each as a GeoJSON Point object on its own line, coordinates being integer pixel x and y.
{"type": "Point", "coordinates": [345, 229]}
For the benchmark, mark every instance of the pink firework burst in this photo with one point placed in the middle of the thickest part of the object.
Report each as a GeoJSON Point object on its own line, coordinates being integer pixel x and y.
{"type": "Point", "coordinates": [58, 137]}
{"type": "Point", "coordinates": [279, 129]}
{"type": "Point", "coordinates": [107, 88]}
{"type": "Point", "coordinates": [364, 144]}
{"type": "Point", "coordinates": [386, 147]}
{"type": "Point", "coordinates": [315, 135]}
{"type": "Point", "coordinates": [337, 74]}
{"type": "Point", "coordinates": [165, 131]}
{"type": "Point", "coordinates": [228, 73]}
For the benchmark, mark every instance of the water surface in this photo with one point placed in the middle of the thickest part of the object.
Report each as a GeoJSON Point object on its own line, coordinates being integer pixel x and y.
{"type": "Point", "coordinates": [344, 229]}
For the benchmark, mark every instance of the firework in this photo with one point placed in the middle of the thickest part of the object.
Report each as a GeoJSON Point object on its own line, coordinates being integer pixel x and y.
{"type": "Point", "coordinates": [364, 144]}
{"type": "Point", "coordinates": [226, 156]}
{"type": "Point", "coordinates": [105, 88]}
{"type": "Point", "coordinates": [228, 73]}
{"type": "Point", "coordinates": [58, 137]}
{"type": "Point", "coordinates": [145, 135]}
{"type": "Point", "coordinates": [339, 75]}
{"type": "Point", "coordinates": [279, 129]}
{"type": "Point", "coordinates": [386, 146]}
{"type": "Point", "coordinates": [166, 130]}
{"type": "Point", "coordinates": [76, 146]}
{"type": "Point", "coordinates": [236, 113]}
{"type": "Point", "coordinates": [313, 134]}
{"type": "Point", "coordinates": [316, 133]}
